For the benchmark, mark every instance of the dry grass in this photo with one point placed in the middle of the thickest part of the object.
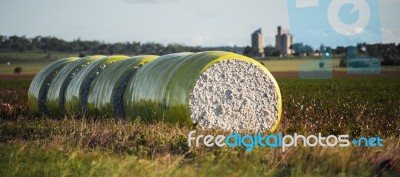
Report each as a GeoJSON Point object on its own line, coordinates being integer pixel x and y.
{"type": "Point", "coordinates": [44, 146]}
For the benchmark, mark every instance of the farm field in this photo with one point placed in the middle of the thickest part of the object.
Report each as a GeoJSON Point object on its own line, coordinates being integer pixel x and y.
{"type": "Point", "coordinates": [67, 146]}
{"type": "Point", "coordinates": [39, 60]}
{"type": "Point", "coordinates": [31, 63]}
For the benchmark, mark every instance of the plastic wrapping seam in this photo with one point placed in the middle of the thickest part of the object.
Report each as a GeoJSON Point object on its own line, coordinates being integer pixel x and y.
{"type": "Point", "coordinates": [145, 93]}
{"type": "Point", "coordinates": [56, 93]}
{"type": "Point", "coordinates": [40, 84]}
{"type": "Point", "coordinates": [106, 90]}
{"type": "Point", "coordinates": [77, 90]}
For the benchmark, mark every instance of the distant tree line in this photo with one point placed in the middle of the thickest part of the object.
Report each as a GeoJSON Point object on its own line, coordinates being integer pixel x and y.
{"type": "Point", "coordinates": [53, 44]}
{"type": "Point", "coordinates": [389, 54]}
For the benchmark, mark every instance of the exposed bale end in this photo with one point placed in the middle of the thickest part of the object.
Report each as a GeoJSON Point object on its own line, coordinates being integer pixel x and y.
{"type": "Point", "coordinates": [235, 95]}
{"type": "Point", "coordinates": [57, 88]}
{"type": "Point", "coordinates": [78, 88]}
{"type": "Point", "coordinates": [38, 89]}
{"type": "Point", "coordinates": [106, 90]}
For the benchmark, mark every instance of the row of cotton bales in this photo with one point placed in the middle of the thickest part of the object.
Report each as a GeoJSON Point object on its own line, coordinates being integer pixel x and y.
{"type": "Point", "coordinates": [210, 89]}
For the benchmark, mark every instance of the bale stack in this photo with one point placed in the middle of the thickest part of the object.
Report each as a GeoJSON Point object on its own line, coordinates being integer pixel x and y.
{"type": "Point", "coordinates": [208, 89]}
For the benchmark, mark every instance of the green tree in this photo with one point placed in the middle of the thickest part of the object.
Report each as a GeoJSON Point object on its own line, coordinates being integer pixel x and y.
{"type": "Point", "coordinates": [250, 51]}
{"type": "Point", "coordinates": [300, 48]}
{"type": "Point", "coordinates": [271, 51]}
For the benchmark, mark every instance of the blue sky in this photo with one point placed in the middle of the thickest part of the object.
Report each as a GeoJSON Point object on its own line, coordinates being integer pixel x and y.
{"type": "Point", "coordinates": [190, 22]}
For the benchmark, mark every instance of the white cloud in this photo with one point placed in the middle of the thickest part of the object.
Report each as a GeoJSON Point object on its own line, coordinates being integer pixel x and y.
{"type": "Point", "coordinates": [391, 35]}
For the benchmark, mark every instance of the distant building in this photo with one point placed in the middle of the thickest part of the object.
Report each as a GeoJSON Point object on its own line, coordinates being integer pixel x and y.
{"type": "Point", "coordinates": [257, 42]}
{"type": "Point", "coordinates": [283, 41]}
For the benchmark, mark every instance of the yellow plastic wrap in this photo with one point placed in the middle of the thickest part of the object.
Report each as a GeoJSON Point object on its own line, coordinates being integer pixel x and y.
{"type": "Point", "coordinates": [55, 95]}
{"type": "Point", "coordinates": [40, 84]}
{"type": "Point", "coordinates": [78, 88]}
{"type": "Point", "coordinates": [106, 90]}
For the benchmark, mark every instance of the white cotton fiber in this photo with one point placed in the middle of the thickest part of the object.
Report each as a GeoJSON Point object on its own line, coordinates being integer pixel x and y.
{"type": "Point", "coordinates": [234, 95]}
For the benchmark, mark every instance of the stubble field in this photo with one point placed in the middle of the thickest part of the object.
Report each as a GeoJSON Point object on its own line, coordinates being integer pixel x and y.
{"type": "Point", "coordinates": [33, 145]}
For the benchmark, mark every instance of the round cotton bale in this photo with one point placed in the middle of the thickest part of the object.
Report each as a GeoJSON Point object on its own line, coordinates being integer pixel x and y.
{"type": "Point", "coordinates": [106, 90]}
{"type": "Point", "coordinates": [40, 84]}
{"type": "Point", "coordinates": [209, 89]}
{"type": "Point", "coordinates": [56, 93]}
{"type": "Point", "coordinates": [78, 89]}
